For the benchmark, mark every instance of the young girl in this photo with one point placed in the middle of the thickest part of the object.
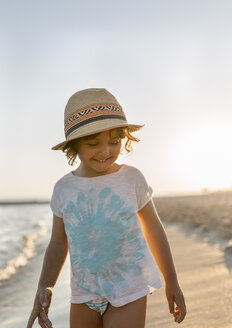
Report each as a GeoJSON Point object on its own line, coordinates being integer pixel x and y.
{"type": "Point", "coordinates": [104, 215]}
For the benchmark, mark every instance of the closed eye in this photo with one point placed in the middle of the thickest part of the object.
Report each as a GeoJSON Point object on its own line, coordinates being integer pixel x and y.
{"type": "Point", "coordinates": [92, 145]}
{"type": "Point", "coordinates": [115, 142]}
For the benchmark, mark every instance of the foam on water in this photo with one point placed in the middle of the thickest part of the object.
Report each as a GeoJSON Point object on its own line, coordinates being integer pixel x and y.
{"type": "Point", "coordinates": [27, 252]}
{"type": "Point", "coordinates": [21, 227]}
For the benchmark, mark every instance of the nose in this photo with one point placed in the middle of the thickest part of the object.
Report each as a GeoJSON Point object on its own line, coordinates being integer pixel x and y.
{"type": "Point", "coordinates": [104, 152]}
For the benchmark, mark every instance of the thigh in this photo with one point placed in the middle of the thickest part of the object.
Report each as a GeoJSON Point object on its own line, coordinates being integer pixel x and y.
{"type": "Point", "coordinates": [131, 315]}
{"type": "Point", "coordinates": [81, 316]}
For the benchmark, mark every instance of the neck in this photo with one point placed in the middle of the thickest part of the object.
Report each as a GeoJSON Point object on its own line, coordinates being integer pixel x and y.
{"type": "Point", "coordinates": [83, 171]}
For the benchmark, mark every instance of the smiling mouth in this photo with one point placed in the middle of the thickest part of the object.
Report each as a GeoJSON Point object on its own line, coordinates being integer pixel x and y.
{"type": "Point", "coordinates": [101, 160]}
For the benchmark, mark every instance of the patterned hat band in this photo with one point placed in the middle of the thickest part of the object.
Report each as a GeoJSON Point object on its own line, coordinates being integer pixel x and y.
{"type": "Point", "coordinates": [91, 111]}
{"type": "Point", "coordinates": [91, 114]}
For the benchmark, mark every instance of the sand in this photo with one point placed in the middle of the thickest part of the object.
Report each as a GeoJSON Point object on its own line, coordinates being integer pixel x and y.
{"type": "Point", "coordinates": [211, 212]}
{"type": "Point", "coordinates": [205, 278]}
{"type": "Point", "coordinates": [203, 271]}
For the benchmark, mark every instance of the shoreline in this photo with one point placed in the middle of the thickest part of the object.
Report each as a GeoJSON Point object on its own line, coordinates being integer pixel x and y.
{"type": "Point", "coordinates": [202, 270]}
{"type": "Point", "coordinates": [28, 201]}
{"type": "Point", "coordinates": [24, 202]}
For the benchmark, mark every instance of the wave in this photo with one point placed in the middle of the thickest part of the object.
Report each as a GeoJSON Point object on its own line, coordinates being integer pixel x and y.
{"type": "Point", "coordinates": [27, 252]}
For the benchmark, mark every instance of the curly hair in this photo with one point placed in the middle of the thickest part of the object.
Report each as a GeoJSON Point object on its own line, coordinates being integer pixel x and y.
{"type": "Point", "coordinates": [71, 151]}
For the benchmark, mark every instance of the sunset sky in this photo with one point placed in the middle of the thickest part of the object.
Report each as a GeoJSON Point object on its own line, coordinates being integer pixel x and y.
{"type": "Point", "coordinates": [167, 62]}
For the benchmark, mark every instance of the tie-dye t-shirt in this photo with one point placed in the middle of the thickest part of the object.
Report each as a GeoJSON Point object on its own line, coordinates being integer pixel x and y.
{"type": "Point", "coordinates": [108, 253]}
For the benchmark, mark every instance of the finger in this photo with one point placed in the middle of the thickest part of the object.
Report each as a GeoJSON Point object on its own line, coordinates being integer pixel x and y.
{"type": "Point", "coordinates": [180, 304]}
{"type": "Point", "coordinates": [180, 314]}
{"type": "Point", "coordinates": [32, 318]}
{"type": "Point", "coordinates": [176, 313]}
{"type": "Point", "coordinates": [180, 317]}
{"type": "Point", "coordinates": [41, 323]}
{"type": "Point", "coordinates": [171, 306]}
{"type": "Point", "coordinates": [44, 319]}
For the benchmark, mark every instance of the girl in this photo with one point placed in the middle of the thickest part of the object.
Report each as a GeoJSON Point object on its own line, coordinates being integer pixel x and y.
{"type": "Point", "coordinates": [103, 213]}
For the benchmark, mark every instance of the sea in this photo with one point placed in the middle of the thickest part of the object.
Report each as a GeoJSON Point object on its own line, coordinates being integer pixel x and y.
{"type": "Point", "coordinates": [24, 232]}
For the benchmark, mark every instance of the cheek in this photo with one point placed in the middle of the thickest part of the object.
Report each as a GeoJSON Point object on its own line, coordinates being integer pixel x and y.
{"type": "Point", "coordinates": [117, 149]}
{"type": "Point", "coordinates": [84, 153]}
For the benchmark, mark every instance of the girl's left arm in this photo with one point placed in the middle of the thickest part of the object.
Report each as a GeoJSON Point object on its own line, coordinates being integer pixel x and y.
{"type": "Point", "coordinates": [156, 238]}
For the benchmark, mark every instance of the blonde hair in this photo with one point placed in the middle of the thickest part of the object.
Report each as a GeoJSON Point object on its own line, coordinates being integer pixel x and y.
{"type": "Point", "coordinates": [71, 151]}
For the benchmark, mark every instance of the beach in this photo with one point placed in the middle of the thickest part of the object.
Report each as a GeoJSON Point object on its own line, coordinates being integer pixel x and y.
{"type": "Point", "coordinates": [204, 277]}
{"type": "Point", "coordinates": [202, 255]}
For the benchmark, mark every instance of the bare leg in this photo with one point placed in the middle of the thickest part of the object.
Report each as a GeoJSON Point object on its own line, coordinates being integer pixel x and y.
{"type": "Point", "coordinates": [81, 316]}
{"type": "Point", "coordinates": [131, 315]}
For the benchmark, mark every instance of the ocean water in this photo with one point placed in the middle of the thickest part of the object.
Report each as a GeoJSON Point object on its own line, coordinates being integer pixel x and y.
{"type": "Point", "coordinates": [23, 228]}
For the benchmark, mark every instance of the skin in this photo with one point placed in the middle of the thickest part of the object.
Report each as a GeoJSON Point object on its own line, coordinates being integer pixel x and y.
{"type": "Point", "coordinates": [98, 156]}
{"type": "Point", "coordinates": [131, 315]}
{"type": "Point", "coordinates": [157, 241]}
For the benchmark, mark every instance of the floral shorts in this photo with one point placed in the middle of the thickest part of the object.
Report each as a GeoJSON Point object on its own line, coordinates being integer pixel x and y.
{"type": "Point", "coordinates": [99, 305]}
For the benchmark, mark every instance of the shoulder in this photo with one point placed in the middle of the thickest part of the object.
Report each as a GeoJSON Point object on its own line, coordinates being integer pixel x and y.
{"type": "Point", "coordinates": [133, 171]}
{"type": "Point", "coordinates": [130, 168]}
{"type": "Point", "coordinates": [63, 181]}
{"type": "Point", "coordinates": [137, 178]}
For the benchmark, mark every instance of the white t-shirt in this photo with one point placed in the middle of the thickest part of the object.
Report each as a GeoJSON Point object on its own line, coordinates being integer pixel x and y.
{"type": "Point", "coordinates": [108, 252]}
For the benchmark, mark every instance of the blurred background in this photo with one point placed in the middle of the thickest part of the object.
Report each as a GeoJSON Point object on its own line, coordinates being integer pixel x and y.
{"type": "Point", "coordinates": [168, 63]}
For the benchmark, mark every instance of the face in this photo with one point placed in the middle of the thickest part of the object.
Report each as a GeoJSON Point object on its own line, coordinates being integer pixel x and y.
{"type": "Point", "coordinates": [98, 154]}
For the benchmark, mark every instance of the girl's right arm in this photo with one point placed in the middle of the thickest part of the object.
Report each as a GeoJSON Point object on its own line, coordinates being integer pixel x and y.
{"type": "Point", "coordinates": [54, 259]}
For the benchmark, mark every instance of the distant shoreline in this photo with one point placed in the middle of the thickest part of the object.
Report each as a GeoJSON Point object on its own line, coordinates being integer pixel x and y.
{"type": "Point", "coordinates": [41, 202]}
{"type": "Point", "coordinates": [24, 202]}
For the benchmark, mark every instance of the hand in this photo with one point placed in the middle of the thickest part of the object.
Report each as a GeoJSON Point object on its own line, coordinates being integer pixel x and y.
{"type": "Point", "coordinates": [41, 307]}
{"type": "Point", "coordinates": [175, 296]}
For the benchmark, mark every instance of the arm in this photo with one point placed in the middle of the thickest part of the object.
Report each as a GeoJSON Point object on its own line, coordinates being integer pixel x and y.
{"type": "Point", "coordinates": [55, 255]}
{"type": "Point", "coordinates": [157, 241]}
{"type": "Point", "coordinates": [54, 259]}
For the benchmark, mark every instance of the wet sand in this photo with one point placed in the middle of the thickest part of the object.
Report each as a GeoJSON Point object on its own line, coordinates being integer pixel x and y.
{"type": "Point", "coordinates": [203, 274]}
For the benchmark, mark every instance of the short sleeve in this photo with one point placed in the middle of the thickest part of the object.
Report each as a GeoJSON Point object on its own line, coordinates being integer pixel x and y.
{"type": "Point", "coordinates": [55, 202]}
{"type": "Point", "coordinates": [143, 190]}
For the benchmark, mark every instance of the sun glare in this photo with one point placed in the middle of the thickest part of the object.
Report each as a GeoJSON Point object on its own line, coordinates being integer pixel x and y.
{"type": "Point", "coordinates": [202, 157]}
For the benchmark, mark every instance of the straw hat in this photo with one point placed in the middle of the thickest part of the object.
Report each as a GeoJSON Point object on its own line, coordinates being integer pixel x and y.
{"type": "Point", "coordinates": [91, 111]}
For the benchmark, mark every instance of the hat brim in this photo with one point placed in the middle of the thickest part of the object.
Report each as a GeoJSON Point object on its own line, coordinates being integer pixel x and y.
{"type": "Point", "coordinates": [131, 128]}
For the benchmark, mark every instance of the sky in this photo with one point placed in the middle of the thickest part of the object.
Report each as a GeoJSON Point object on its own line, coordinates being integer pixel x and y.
{"type": "Point", "coordinates": [167, 62]}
